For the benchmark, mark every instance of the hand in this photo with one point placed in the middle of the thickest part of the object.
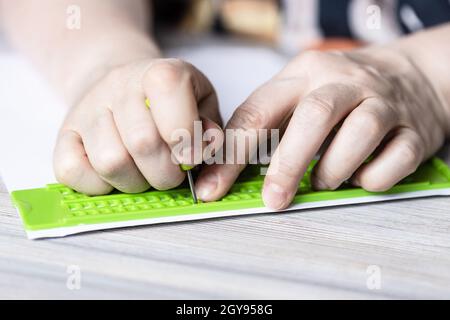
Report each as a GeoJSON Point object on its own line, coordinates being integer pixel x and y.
{"type": "Point", "coordinates": [110, 139]}
{"type": "Point", "coordinates": [378, 98]}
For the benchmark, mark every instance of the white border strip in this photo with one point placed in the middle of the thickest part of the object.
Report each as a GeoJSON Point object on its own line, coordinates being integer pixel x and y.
{"type": "Point", "coordinates": [64, 231]}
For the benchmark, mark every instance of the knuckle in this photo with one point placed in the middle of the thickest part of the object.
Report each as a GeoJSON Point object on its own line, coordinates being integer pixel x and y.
{"type": "Point", "coordinates": [249, 116]}
{"type": "Point", "coordinates": [140, 143]}
{"type": "Point", "coordinates": [68, 170]}
{"type": "Point", "coordinates": [110, 164]}
{"type": "Point", "coordinates": [328, 177]}
{"type": "Point", "coordinates": [165, 73]}
{"type": "Point", "coordinates": [362, 73]}
{"type": "Point", "coordinates": [411, 155]}
{"type": "Point", "coordinates": [316, 108]}
{"type": "Point", "coordinates": [287, 170]}
{"type": "Point", "coordinates": [311, 57]}
{"type": "Point", "coordinates": [369, 122]}
{"type": "Point", "coordinates": [168, 182]}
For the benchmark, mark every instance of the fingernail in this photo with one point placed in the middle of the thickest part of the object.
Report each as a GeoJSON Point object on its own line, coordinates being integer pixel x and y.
{"type": "Point", "coordinates": [274, 196]}
{"type": "Point", "coordinates": [207, 186]}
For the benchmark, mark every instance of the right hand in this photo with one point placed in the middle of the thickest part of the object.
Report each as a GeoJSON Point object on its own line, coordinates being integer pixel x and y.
{"type": "Point", "coordinates": [110, 139]}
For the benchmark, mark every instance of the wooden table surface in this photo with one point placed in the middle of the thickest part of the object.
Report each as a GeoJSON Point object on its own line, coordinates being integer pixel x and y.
{"type": "Point", "coordinates": [320, 253]}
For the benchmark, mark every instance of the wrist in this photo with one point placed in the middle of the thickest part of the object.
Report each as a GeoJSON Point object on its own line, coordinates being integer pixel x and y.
{"type": "Point", "coordinates": [80, 64]}
{"type": "Point", "coordinates": [430, 65]}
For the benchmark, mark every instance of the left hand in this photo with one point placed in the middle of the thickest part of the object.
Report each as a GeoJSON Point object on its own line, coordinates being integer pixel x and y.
{"type": "Point", "coordinates": [383, 103]}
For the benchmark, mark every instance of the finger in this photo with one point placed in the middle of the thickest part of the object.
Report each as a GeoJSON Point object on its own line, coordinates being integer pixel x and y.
{"type": "Point", "coordinates": [72, 166]}
{"type": "Point", "coordinates": [359, 135]}
{"type": "Point", "coordinates": [268, 107]}
{"type": "Point", "coordinates": [143, 141]}
{"type": "Point", "coordinates": [213, 137]}
{"type": "Point", "coordinates": [311, 122]}
{"type": "Point", "coordinates": [109, 157]}
{"type": "Point", "coordinates": [208, 108]}
{"type": "Point", "coordinates": [175, 89]}
{"type": "Point", "coordinates": [400, 157]}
